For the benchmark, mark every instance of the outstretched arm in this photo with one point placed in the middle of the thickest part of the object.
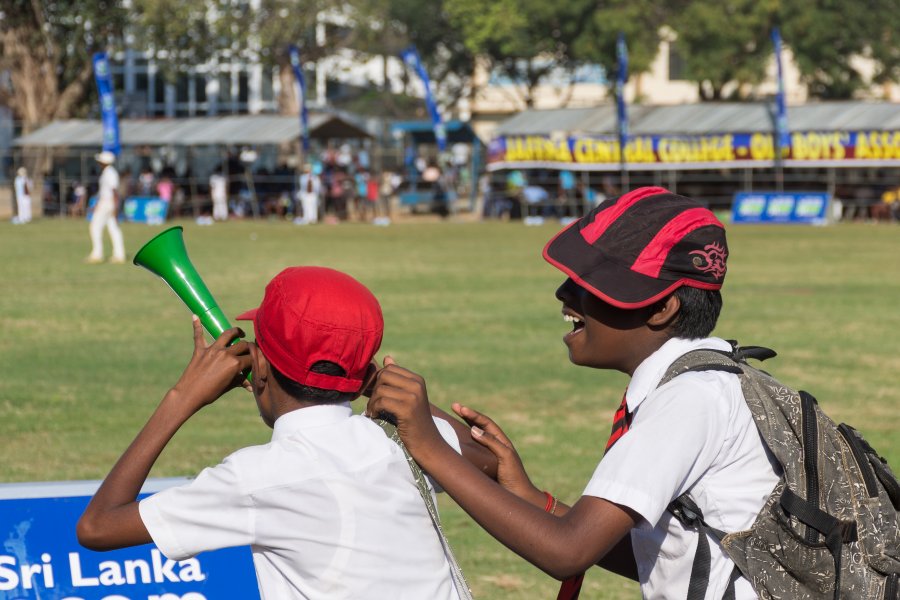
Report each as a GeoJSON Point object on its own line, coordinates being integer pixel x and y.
{"type": "Point", "coordinates": [111, 519]}
{"type": "Point", "coordinates": [560, 546]}
{"type": "Point", "coordinates": [512, 476]}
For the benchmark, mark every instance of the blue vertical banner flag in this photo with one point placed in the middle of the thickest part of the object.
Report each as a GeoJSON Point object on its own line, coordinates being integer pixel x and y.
{"type": "Point", "coordinates": [107, 103]}
{"type": "Point", "coordinates": [782, 135]}
{"type": "Point", "coordinates": [294, 54]}
{"type": "Point", "coordinates": [411, 57]}
{"type": "Point", "coordinates": [621, 80]}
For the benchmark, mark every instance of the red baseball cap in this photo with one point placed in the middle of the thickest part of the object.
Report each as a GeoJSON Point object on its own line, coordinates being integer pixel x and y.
{"type": "Point", "coordinates": [310, 314]}
{"type": "Point", "coordinates": [636, 249]}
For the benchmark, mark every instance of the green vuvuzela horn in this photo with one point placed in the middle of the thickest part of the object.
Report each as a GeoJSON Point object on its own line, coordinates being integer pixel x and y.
{"type": "Point", "coordinates": [166, 256]}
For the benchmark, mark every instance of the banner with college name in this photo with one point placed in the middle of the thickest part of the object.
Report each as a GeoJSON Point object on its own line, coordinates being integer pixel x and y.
{"type": "Point", "coordinates": [810, 208]}
{"type": "Point", "coordinates": [709, 151]}
{"type": "Point", "coordinates": [40, 557]}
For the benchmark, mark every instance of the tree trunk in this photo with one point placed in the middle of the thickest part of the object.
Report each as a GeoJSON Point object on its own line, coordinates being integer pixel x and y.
{"type": "Point", "coordinates": [288, 103]}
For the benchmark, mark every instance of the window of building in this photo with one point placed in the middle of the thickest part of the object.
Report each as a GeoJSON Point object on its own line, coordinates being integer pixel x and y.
{"type": "Point", "coordinates": [200, 82]}
{"type": "Point", "coordinates": [159, 93]}
{"type": "Point", "coordinates": [181, 88]}
{"type": "Point", "coordinates": [141, 82]}
{"type": "Point", "coordinates": [243, 88]}
{"type": "Point", "coordinates": [224, 88]}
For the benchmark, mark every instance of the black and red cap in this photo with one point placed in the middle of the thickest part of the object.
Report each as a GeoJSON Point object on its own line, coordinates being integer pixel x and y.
{"type": "Point", "coordinates": [636, 249]}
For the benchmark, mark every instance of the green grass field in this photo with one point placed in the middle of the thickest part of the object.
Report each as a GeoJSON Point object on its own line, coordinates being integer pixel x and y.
{"type": "Point", "coordinates": [90, 350]}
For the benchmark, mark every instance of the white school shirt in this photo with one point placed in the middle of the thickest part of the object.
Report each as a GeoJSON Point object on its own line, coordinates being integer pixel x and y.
{"type": "Point", "coordinates": [329, 508]}
{"type": "Point", "coordinates": [693, 434]}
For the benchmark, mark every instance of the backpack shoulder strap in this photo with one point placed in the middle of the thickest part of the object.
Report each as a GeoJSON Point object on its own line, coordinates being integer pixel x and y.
{"type": "Point", "coordinates": [462, 587]}
{"type": "Point", "coordinates": [702, 360]}
{"type": "Point", "coordinates": [686, 511]}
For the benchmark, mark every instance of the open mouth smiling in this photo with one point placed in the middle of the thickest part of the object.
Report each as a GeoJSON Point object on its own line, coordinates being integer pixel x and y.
{"type": "Point", "coordinates": [575, 319]}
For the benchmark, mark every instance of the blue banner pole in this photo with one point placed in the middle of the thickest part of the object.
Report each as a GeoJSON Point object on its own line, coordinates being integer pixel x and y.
{"type": "Point", "coordinates": [294, 54]}
{"type": "Point", "coordinates": [621, 108]}
{"type": "Point", "coordinates": [107, 103]}
{"type": "Point", "coordinates": [410, 56]}
{"type": "Point", "coordinates": [782, 135]}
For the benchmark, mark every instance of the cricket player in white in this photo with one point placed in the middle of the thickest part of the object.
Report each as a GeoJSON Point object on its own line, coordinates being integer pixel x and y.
{"type": "Point", "coordinates": [23, 197]}
{"type": "Point", "coordinates": [105, 212]}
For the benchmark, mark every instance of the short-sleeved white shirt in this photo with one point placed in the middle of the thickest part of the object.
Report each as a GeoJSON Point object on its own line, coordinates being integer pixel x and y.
{"type": "Point", "coordinates": [329, 508]}
{"type": "Point", "coordinates": [109, 184]}
{"type": "Point", "coordinates": [695, 434]}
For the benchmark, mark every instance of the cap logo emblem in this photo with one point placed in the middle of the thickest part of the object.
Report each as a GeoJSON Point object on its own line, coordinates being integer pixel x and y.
{"type": "Point", "coordinates": [710, 260]}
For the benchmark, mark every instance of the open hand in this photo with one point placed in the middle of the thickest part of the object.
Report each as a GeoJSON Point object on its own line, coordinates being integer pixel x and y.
{"type": "Point", "coordinates": [400, 396]}
{"type": "Point", "coordinates": [213, 370]}
{"type": "Point", "coordinates": [510, 470]}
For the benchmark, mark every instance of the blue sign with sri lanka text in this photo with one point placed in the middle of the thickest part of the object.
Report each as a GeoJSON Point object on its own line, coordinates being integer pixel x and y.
{"type": "Point", "coordinates": [41, 559]}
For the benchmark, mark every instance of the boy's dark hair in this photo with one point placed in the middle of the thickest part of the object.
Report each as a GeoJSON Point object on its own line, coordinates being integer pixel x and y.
{"type": "Point", "coordinates": [314, 394]}
{"type": "Point", "coordinates": [698, 313]}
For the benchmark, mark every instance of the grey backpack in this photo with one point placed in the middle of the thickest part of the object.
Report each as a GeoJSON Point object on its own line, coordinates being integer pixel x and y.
{"type": "Point", "coordinates": [831, 527]}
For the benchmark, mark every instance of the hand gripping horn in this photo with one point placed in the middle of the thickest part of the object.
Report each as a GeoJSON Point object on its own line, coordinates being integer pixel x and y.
{"type": "Point", "coordinates": [165, 255]}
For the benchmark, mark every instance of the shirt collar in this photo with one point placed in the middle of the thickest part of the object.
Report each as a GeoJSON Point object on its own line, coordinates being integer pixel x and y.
{"type": "Point", "coordinates": [650, 372]}
{"type": "Point", "coordinates": [309, 417]}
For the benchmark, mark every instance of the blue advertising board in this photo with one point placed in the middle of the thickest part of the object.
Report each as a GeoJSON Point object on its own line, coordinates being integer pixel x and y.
{"type": "Point", "coordinates": [809, 208]}
{"type": "Point", "coordinates": [41, 559]}
{"type": "Point", "coordinates": [151, 210]}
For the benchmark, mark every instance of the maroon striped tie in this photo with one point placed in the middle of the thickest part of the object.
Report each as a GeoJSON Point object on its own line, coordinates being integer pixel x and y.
{"type": "Point", "coordinates": [571, 587]}
{"type": "Point", "coordinates": [621, 422]}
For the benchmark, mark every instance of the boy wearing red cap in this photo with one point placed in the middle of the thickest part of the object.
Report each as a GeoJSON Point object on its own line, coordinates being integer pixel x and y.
{"type": "Point", "coordinates": [329, 507]}
{"type": "Point", "coordinates": [644, 273]}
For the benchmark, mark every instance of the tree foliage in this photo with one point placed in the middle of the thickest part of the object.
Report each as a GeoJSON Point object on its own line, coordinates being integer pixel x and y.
{"type": "Point", "coordinates": [46, 47]}
{"type": "Point", "coordinates": [724, 42]}
{"type": "Point", "coordinates": [640, 21]}
{"type": "Point", "coordinates": [524, 41]}
{"type": "Point", "coordinates": [386, 27]}
{"type": "Point", "coordinates": [828, 35]}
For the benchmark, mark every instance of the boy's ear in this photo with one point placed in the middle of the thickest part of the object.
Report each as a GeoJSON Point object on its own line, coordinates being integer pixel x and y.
{"type": "Point", "coordinates": [260, 368]}
{"type": "Point", "coordinates": [369, 380]}
{"type": "Point", "coordinates": [664, 312]}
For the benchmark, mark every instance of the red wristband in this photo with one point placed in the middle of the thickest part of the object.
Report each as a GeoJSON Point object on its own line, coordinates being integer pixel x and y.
{"type": "Point", "coordinates": [550, 501]}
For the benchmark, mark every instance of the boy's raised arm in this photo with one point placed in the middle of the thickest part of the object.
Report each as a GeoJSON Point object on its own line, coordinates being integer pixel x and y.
{"type": "Point", "coordinates": [111, 519]}
{"type": "Point", "coordinates": [477, 454]}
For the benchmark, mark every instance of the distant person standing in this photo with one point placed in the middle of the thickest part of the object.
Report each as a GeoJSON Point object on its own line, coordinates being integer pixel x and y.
{"type": "Point", "coordinates": [309, 189]}
{"type": "Point", "coordinates": [23, 197]}
{"type": "Point", "coordinates": [218, 190]}
{"type": "Point", "coordinates": [105, 212]}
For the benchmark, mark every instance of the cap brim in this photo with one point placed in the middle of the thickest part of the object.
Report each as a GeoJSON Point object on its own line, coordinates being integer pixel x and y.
{"type": "Point", "coordinates": [609, 280]}
{"type": "Point", "coordinates": [249, 315]}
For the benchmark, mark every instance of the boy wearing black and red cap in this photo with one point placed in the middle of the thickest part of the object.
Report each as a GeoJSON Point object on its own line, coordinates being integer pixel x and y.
{"type": "Point", "coordinates": [329, 507]}
{"type": "Point", "coordinates": [644, 272]}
